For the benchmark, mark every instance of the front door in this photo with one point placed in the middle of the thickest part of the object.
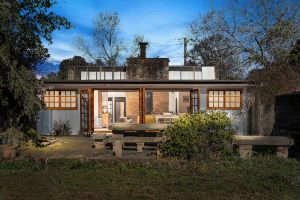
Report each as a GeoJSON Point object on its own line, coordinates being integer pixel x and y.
{"type": "Point", "coordinates": [86, 112]}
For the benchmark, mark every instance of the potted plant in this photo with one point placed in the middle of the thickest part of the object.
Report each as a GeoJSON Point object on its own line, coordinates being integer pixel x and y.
{"type": "Point", "coordinates": [10, 139]}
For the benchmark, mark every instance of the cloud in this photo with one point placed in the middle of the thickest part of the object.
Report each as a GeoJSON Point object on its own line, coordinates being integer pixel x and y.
{"type": "Point", "coordinates": [164, 23]}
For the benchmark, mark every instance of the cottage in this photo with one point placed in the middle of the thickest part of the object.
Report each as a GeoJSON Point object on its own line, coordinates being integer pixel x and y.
{"type": "Point", "coordinates": [146, 91]}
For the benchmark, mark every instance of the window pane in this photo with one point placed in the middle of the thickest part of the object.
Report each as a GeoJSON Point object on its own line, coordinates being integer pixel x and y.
{"type": "Point", "coordinates": [68, 104]}
{"type": "Point", "coordinates": [211, 104]}
{"type": "Point", "coordinates": [56, 93]}
{"type": "Point", "coordinates": [73, 99]}
{"type": "Point", "coordinates": [63, 105]}
{"type": "Point", "coordinates": [73, 93]}
{"type": "Point", "coordinates": [62, 93]}
{"type": "Point", "coordinates": [108, 75]}
{"type": "Point", "coordinates": [211, 98]}
{"type": "Point", "coordinates": [67, 99]}
{"type": "Point", "coordinates": [216, 93]}
{"type": "Point", "coordinates": [211, 93]}
{"type": "Point", "coordinates": [221, 104]}
{"type": "Point", "coordinates": [73, 105]}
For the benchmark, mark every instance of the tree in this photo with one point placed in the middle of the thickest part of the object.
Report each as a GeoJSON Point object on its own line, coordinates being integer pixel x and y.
{"type": "Point", "coordinates": [215, 51]}
{"type": "Point", "coordinates": [65, 64]}
{"type": "Point", "coordinates": [263, 32]}
{"type": "Point", "coordinates": [22, 25]}
{"type": "Point", "coordinates": [106, 39]}
{"type": "Point", "coordinates": [135, 48]}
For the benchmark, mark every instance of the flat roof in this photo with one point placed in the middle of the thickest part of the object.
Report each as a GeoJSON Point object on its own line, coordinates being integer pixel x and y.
{"type": "Point", "coordinates": [149, 84]}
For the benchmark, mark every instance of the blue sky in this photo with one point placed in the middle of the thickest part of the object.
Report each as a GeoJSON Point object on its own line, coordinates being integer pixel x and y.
{"type": "Point", "coordinates": [163, 22]}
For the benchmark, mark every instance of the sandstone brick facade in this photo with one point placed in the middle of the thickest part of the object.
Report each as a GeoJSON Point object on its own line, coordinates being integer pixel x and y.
{"type": "Point", "coordinates": [160, 102]}
{"type": "Point", "coordinates": [132, 105]}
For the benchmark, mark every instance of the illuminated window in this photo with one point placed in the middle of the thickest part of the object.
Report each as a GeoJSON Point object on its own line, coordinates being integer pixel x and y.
{"type": "Point", "coordinates": [60, 99]}
{"type": "Point", "coordinates": [224, 99]}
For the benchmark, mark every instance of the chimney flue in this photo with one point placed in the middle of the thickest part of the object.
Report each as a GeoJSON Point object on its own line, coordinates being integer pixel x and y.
{"type": "Point", "coordinates": [143, 46]}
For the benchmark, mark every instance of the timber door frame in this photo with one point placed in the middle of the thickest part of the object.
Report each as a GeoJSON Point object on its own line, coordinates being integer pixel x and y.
{"type": "Point", "coordinates": [195, 98]}
{"type": "Point", "coordinates": [88, 119]}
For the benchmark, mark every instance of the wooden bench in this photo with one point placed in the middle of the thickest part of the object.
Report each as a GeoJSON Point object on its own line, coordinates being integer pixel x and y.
{"type": "Point", "coordinates": [246, 143]}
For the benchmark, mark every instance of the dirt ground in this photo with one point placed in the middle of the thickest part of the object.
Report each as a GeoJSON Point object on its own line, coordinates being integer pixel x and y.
{"type": "Point", "coordinates": [74, 147]}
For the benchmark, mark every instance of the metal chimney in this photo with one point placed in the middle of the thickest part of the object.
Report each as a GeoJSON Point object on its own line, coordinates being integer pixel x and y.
{"type": "Point", "coordinates": [143, 46]}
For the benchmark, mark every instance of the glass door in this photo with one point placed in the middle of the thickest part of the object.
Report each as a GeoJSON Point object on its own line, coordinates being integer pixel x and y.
{"type": "Point", "coordinates": [86, 112]}
{"type": "Point", "coordinates": [195, 101]}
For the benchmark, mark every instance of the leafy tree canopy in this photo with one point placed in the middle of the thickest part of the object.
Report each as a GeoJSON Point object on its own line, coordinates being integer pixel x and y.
{"type": "Point", "coordinates": [22, 25]}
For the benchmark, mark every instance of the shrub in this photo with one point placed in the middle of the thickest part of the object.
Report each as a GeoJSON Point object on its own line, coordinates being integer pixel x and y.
{"type": "Point", "coordinates": [62, 128]}
{"type": "Point", "coordinates": [12, 137]}
{"type": "Point", "coordinates": [204, 134]}
{"type": "Point", "coordinates": [34, 136]}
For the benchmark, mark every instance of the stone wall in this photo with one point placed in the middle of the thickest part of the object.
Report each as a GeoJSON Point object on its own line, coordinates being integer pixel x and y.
{"type": "Point", "coordinates": [148, 69]}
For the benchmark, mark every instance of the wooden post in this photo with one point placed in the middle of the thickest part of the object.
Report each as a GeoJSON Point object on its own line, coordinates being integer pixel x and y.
{"type": "Point", "coordinates": [142, 105]}
{"type": "Point", "coordinates": [282, 152]}
{"type": "Point", "coordinates": [245, 151]}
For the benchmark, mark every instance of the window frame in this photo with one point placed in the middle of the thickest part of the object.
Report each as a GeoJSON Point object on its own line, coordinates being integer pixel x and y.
{"type": "Point", "coordinates": [224, 97]}
{"type": "Point", "coordinates": [60, 102]}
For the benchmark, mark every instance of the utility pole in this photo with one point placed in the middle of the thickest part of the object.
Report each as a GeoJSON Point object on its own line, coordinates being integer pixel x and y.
{"type": "Point", "coordinates": [185, 41]}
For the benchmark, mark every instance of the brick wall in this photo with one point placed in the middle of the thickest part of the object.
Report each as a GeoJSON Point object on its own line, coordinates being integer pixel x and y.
{"type": "Point", "coordinates": [132, 105]}
{"type": "Point", "coordinates": [160, 102]}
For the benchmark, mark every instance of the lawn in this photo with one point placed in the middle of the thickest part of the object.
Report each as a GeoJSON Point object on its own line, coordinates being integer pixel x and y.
{"type": "Point", "coordinates": [259, 178]}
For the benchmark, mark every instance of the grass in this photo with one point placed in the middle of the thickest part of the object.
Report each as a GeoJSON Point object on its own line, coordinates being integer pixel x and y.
{"type": "Point", "coordinates": [259, 178]}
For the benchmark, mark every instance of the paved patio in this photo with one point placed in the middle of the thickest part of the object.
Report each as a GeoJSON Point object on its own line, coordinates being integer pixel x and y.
{"type": "Point", "coordinates": [74, 147]}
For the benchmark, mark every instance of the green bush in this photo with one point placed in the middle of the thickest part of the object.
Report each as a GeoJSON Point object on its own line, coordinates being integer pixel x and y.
{"type": "Point", "coordinates": [12, 137]}
{"type": "Point", "coordinates": [204, 134]}
{"type": "Point", "coordinates": [62, 128]}
{"type": "Point", "coordinates": [34, 136]}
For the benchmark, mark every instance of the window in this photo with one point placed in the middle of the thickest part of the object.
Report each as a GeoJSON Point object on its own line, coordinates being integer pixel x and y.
{"type": "Point", "coordinates": [51, 99]}
{"type": "Point", "coordinates": [224, 99]}
{"type": "Point", "coordinates": [60, 100]}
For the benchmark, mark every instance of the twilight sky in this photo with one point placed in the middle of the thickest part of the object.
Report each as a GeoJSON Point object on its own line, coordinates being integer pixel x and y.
{"type": "Point", "coordinates": [163, 22]}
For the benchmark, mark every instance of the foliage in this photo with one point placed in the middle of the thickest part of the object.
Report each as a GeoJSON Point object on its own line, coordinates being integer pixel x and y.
{"type": "Point", "coordinates": [262, 33]}
{"type": "Point", "coordinates": [22, 26]}
{"type": "Point", "coordinates": [106, 39]}
{"type": "Point", "coordinates": [282, 77]}
{"type": "Point", "coordinates": [215, 50]}
{"type": "Point", "coordinates": [62, 128]}
{"type": "Point", "coordinates": [12, 137]}
{"type": "Point", "coordinates": [65, 64]}
{"type": "Point", "coordinates": [34, 136]}
{"type": "Point", "coordinates": [204, 134]}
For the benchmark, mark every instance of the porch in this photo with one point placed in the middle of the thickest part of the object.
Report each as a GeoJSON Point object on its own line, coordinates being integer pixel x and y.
{"type": "Point", "coordinates": [104, 103]}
